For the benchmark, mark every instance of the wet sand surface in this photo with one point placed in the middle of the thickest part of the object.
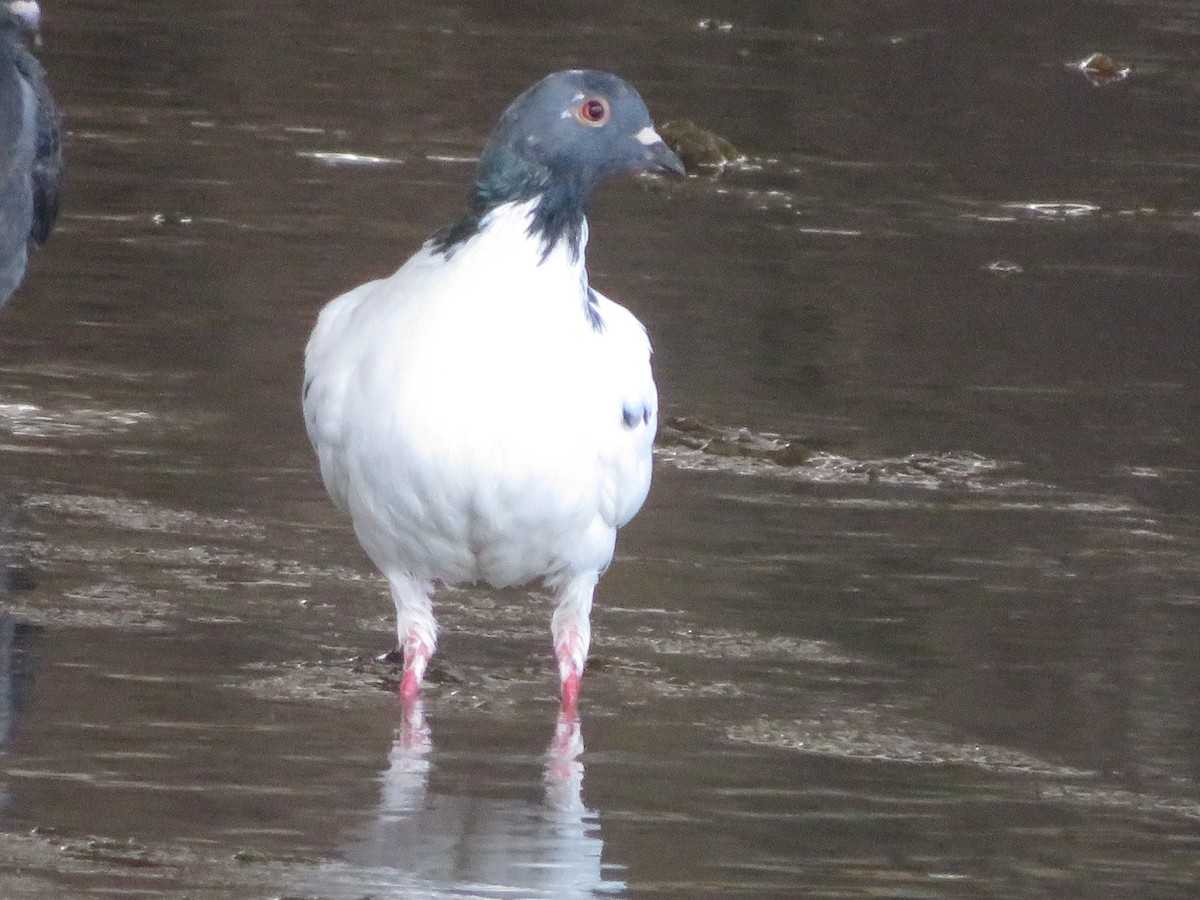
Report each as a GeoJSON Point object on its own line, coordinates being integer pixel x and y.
{"type": "Point", "coordinates": [913, 609]}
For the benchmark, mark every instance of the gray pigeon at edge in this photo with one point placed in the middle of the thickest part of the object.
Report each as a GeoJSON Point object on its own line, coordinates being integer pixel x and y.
{"type": "Point", "coordinates": [31, 159]}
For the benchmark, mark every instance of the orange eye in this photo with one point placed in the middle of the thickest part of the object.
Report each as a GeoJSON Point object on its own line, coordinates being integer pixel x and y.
{"type": "Point", "coordinates": [592, 111]}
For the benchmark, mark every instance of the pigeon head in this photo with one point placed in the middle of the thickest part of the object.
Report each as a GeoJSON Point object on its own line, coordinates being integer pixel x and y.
{"type": "Point", "coordinates": [27, 16]}
{"type": "Point", "coordinates": [576, 126]}
{"type": "Point", "coordinates": [555, 143]}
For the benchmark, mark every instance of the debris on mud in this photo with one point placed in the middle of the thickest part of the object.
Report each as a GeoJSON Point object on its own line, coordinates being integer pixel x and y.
{"type": "Point", "coordinates": [698, 147]}
{"type": "Point", "coordinates": [685, 431]}
{"type": "Point", "coordinates": [1100, 69]}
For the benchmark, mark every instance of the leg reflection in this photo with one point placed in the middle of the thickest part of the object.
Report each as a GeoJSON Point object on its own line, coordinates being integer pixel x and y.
{"type": "Point", "coordinates": [564, 770]}
{"type": "Point", "coordinates": [407, 776]}
{"type": "Point", "coordinates": [472, 826]}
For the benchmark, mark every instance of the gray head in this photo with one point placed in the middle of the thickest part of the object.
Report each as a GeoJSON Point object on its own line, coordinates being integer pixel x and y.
{"type": "Point", "coordinates": [555, 142]}
{"type": "Point", "coordinates": [583, 125]}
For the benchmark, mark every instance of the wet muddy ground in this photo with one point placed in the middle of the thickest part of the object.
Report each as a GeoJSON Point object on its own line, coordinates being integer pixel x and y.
{"type": "Point", "coordinates": [913, 609]}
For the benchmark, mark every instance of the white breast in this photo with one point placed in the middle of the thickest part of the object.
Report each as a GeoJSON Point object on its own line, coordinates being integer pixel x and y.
{"type": "Point", "coordinates": [472, 419]}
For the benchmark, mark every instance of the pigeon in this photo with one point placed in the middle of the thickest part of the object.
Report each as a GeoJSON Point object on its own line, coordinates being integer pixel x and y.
{"type": "Point", "coordinates": [483, 414]}
{"type": "Point", "coordinates": [31, 158]}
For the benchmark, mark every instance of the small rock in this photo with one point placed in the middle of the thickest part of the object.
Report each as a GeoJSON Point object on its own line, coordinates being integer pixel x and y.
{"type": "Point", "coordinates": [794, 453]}
{"type": "Point", "coordinates": [697, 146]}
{"type": "Point", "coordinates": [1100, 68]}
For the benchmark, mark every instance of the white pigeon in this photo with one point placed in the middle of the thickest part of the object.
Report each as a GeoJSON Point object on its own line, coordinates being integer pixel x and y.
{"type": "Point", "coordinates": [483, 414]}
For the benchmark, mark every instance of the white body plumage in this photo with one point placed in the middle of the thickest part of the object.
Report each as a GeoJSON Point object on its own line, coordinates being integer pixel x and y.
{"type": "Point", "coordinates": [479, 423]}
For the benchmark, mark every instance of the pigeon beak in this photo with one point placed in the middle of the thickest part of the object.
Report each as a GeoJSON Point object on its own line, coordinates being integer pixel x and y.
{"type": "Point", "coordinates": [656, 155]}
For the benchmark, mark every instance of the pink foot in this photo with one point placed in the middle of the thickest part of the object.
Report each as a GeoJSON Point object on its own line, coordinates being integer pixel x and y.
{"type": "Point", "coordinates": [416, 658]}
{"type": "Point", "coordinates": [570, 669]}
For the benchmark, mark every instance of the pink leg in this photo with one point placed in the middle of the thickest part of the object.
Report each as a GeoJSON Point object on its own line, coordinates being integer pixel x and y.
{"type": "Point", "coordinates": [571, 679]}
{"type": "Point", "coordinates": [572, 635]}
{"type": "Point", "coordinates": [416, 631]}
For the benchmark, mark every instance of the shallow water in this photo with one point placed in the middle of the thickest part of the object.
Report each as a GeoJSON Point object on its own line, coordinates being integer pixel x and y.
{"type": "Point", "coordinates": [912, 609]}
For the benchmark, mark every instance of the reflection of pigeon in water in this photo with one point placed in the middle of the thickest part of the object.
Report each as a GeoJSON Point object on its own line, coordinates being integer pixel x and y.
{"type": "Point", "coordinates": [16, 671]}
{"type": "Point", "coordinates": [30, 145]}
{"type": "Point", "coordinates": [483, 414]}
{"type": "Point", "coordinates": [17, 643]}
{"type": "Point", "coordinates": [433, 840]}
